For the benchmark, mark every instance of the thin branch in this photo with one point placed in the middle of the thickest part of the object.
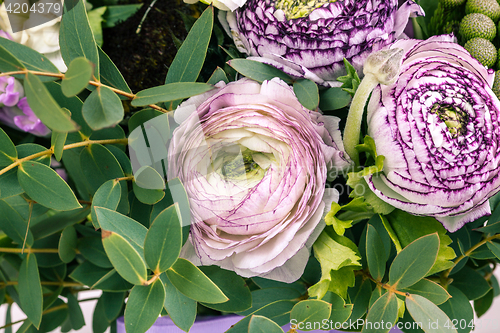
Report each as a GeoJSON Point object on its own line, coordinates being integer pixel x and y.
{"type": "Point", "coordinates": [28, 226]}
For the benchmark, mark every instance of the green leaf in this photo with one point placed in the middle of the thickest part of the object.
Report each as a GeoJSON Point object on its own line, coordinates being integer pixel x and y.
{"type": "Point", "coordinates": [164, 240]}
{"type": "Point", "coordinates": [170, 92]}
{"type": "Point", "coordinates": [27, 149]}
{"type": "Point", "coordinates": [414, 262]}
{"type": "Point", "coordinates": [494, 248]}
{"type": "Point", "coordinates": [95, 20]}
{"type": "Point", "coordinates": [333, 99]}
{"type": "Point", "coordinates": [217, 76]}
{"type": "Point", "coordinates": [262, 297]}
{"type": "Point", "coordinates": [91, 248]}
{"type": "Point", "coordinates": [492, 228]}
{"type": "Point", "coordinates": [459, 310]}
{"type": "Point", "coordinates": [131, 230]}
{"type": "Point", "coordinates": [189, 60]}
{"type": "Point", "coordinates": [232, 285]}
{"type": "Point", "coordinates": [54, 317]}
{"type": "Point", "coordinates": [108, 196]}
{"type": "Point", "coordinates": [99, 321]}
{"type": "Point", "coordinates": [77, 76]}
{"type": "Point", "coordinates": [100, 278]}
{"type": "Point", "coordinates": [68, 244]}
{"type": "Point", "coordinates": [30, 58]}
{"type": "Point", "coordinates": [433, 319]}
{"type": "Point", "coordinates": [103, 108]}
{"type": "Point", "coordinates": [30, 290]}
{"type": "Point", "coordinates": [14, 225]}
{"type": "Point", "coordinates": [126, 260]}
{"type": "Point", "coordinates": [76, 38]}
{"type": "Point", "coordinates": [46, 187]}
{"type": "Point", "coordinates": [9, 63]}
{"type": "Point", "coordinates": [99, 165]}
{"type": "Point", "coordinates": [430, 290]}
{"type": "Point", "coordinates": [148, 185]}
{"type": "Point", "coordinates": [75, 312]}
{"type": "Point", "coordinates": [143, 307]}
{"type": "Point", "coordinates": [118, 13]}
{"type": "Point", "coordinates": [340, 311]}
{"type": "Point", "coordinates": [308, 313]}
{"type": "Point", "coordinates": [483, 304]}
{"type": "Point", "coordinates": [260, 324]}
{"type": "Point", "coordinates": [45, 107]}
{"type": "Point", "coordinates": [375, 253]}
{"type": "Point", "coordinates": [57, 141]}
{"type": "Point", "coordinates": [144, 116]}
{"type": "Point", "coordinates": [193, 283]}
{"type": "Point", "coordinates": [360, 297]}
{"type": "Point", "coordinates": [9, 185]}
{"type": "Point", "coordinates": [384, 310]}
{"type": "Point", "coordinates": [113, 303]}
{"type": "Point", "coordinates": [278, 312]}
{"type": "Point", "coordinates": [307, 93]}
{"type": "Point", "coordinates": [257, 71]}
{"type": "Point", "coordinates": [181, 309]}
{"type": "Point", "coordinates": [110, 75]}
{"type": "Point", "coordinates": [350, 81]}
{"type": "Point", "coordinates": [410, 227]}
{"type": "Point", "coordinates": [8, 152]}
{"type": "Point", "coordinates": [467, 277]}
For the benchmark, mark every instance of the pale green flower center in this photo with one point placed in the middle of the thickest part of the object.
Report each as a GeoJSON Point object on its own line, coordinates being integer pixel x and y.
{"type": "Point", "coordinates": [239, 167]}
{"type": "Point", "coordinates": [299, 8]}
{"type": "Point", "coordinates": [454, 118]}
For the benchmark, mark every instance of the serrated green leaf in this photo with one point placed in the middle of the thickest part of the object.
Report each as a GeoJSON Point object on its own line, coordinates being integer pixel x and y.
{"type": "Point", "coordinates": [108, 196]}
{"type": "Point", "coordinates": [414, 261]}
{"type": "Point", "coordinates": [257, 71]}
{"type": "Point", "coordinates": [45, 107]}
{"type": "Point", "coordinates": [307, 93]}
{"type": "Point", "coordinates": [143, 307]}
{"type": "Point", "coordinates": [125, 259]}
{"type": "Point", "coordinates": [261, 324]}
{"type": "Point", "coordinates": [8, 152]}
{"type": "Point", "coordinates": [433, 319]}
{"type": "Point", "coordinates": [375, 253]}
{"type": "Point", "coordinates": [77, 76]}
{"type": "Point", "coordinates": [46, 187]}
{"type": "Point", "coordinates": [30, 290]}
{"type": "Point", "coordinates": [430, 290]}
{"type": "Point", "coordinates": [103, 108]}
{"type": "Point", "coordinates": [68, 244]}
{"type": "Point", "coordinates": [170, 92]}
{"type": "Point", "coordinates": [193, 283]}
{"type": "Point", "coordinates": [180, 308]}
{"type": "Point", "coordinates": [384, 310]}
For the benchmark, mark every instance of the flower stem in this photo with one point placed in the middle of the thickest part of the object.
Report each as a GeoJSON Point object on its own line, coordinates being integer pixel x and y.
{"type": "Point", "coordinates": [355, 116]}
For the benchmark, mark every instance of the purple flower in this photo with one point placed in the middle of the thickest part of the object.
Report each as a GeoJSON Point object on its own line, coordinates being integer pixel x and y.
{"type": "Point", "coordinates": [438, 127]}
{"type": "Point", "coordinates": [254, 164]}
{"type": "Point", "coordinates": [311, 38]}
{"type": "Point", "coordinates": [22, 117]}
{"type": "Point", "coordinates": [11, 91]}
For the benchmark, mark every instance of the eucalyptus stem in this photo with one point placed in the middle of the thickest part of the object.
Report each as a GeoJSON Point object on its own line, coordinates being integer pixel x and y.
{"type": "Point", "coordinates": [50, 151]}
{"type": "Point", "coordinates": [355, 116]}
{"type": "Point", "coordinates": [28, 250]}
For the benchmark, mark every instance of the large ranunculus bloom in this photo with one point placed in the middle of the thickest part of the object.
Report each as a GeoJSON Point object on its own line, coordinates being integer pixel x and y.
{"type": "Point", "coordinates": [438, 127]}
{"type": "Point", "coordinates": [254, 164]}
{"type": "Point", "coordinates": [311, 38]}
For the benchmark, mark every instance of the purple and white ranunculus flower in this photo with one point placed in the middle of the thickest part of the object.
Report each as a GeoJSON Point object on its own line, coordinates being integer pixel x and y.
{"type": "Point", "coordinates": [11, 91]}
{"type": "Point", "coordinates": [438, 127]}
{"type": "Point", "coordinates": [21, 117]}
{"type": "Point", "coordinates": [310, 39]}
{"type": "Point", "coordinates": [254, 164]}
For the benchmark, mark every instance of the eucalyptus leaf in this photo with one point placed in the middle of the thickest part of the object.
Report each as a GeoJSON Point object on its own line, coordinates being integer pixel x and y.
{"type": "Point", "coordinates": [68, 244]}
{"type": "Point", "coordinates": [340, 311]}
{"type": "Point", "coordinates": [433, 319]}
{"type": "Point", "coordinates": [333, 99]}
{"type": "Point", "coordinates": [360, 297]}
{"type": "Point", "coordinates": [169, 92]}
{"type": "Point", "coordinates": [8, 152]}
{"type": "Point", "coordinates": [375, 253]}
{"type": "Point", "coordinates": [30, 290]}
{"type": "Point", "coordinates": [113, 303]}
{"type": "Point", "coordinates": [307, 93]}
{"type": "Point", "coordinates": [430, 290]}
{"type": "Point", "coordinates": [14, 225]}
{"type": "Point", "coordinates": [383, 311]}
{"type": "Point", "coordinates": [91, 248]}
{"type": "Point", "coordinates": [261, 324]}
{"type": "Point", "coordinates": [308, 313]}
{"type": "Point", "coordinates": [494, 248]}
{"type": "Point", "coordinates": [467, 277]}
{"type": "Point", "coordinates": [180, 308]}
{"type": "Point", "coordinates": [263, 297]}
{"type": "Point", "coordinates": [75, 312]}
{"type": "Point", "coordinates": [144, 306]}
{"type": "Point", "coordinates": [28, 149]}
{"type": "Point", "coordinates": [217, 76]}
{"type": "Point", "coordinates": [108, 196]}
{"type": "Point", "coordinates": [30, 58]}
{"type": "Point", "coordinates": [257, 71]}
{"type": "Point", "coordinates": [110, 75]}
{"type": "Point", "coordinates": [77, 76]}
{"type": "Point", "coordinates": [58, 139]}
{"type": "Point", "coordinates": [8, 62]}
{"type": "Point", "coordinates": [103, 108]}
{"type": "Point", "coordinates": [9, 185]}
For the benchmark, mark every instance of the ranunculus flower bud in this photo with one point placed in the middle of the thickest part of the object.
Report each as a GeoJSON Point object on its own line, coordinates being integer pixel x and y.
{"type": "Point", "coordinates": [311, 38]}
{"type": "Point", "coordinates": [438, 127]}
{"type": "Point", "coordinates": [22, 117]}
{"type": "Point", "coordinates": [11, 91]}
{"type": "Point", "coordinates": [254, 164]}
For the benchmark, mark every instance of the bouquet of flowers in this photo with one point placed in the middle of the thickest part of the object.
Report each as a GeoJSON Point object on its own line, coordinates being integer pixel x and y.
{"type": "Point", "coordinates": [301, 163]}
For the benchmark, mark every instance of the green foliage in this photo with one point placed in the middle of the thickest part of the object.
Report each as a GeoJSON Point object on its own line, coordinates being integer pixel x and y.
{"type": "Point", "coordinates": [309, 313]}
{"type": "Point", "coordinates": [77, 77]}
{"type": "Point", "coordinates": [307, 93]}
{"type": "Point", "coordinates": [350, 81]}
{"type": "Point", "coordinates": [30, 290]}
{"type": "Point", "coordinates": [384, 310]}
{"type": "Point", "coordinates": [433, 319]}
{"type": "Point", "coordinates": [257, 71]}
{"type": "Point", "coordinates": [169, 92]}
{"type": "Point", "coordinates": [144, 306]}
{"type": "Point", "coordinates": [103, 108]}
{"type": "Point", "coordinates": [333, 99]}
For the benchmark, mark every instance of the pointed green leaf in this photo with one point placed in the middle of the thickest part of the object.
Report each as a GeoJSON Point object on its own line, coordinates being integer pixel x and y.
{"type": "Point", "coordinates": [103, 108]}
{"type": "Point", "coordinates": [191, 281]}
{"type": "Point", "coordinates": [110, 75]}
{"type": "Point", "coordinates": [14, 225]}
{"type": "Point", "coordinates": [467, 277]}
{"type": "Point", "coordinates": [46, 187]}
{"type": "Point", "coordinates": [100, 278]}
{"type": "Point", "coordinates": [144, 306]}
{"type": "Point", "coordinates": [483, 304]}
{"type": "Point", "coordinates": [180, 308]}
{"type": "Point", "coordinates": [262, 297]}
{"type": "Point", "coordinates": [113, 303]}
{"type": "Point", "coordinates": [75, 312]}
{"type": "Point", "coordinates": [9, 63]}
{"type": "Point", "coordinates": [77, 76]}
{"type": "Point", "coordinates": [309, 313]}
{"type": "Point", "coordinates": [8, 152]}
{"type": "Point", "coordinates": [307, 93]}
{"type": "Point", "coordinates": [491, 228]}
{"type": "Point", "coordinates": [30, 290]}
{"type": "Point", "coordinates": [375, 253]}
{"type": "Point", "coordinates": [99, 165]}
{"type": "Point", "coordinates": [360, 297]}
{"type": "Point", "coordinates": [99, 321]}
{"type": "Point", "coordinates": [170, 92]}
{"type": "Point", "coordinates": [189, 60]}
{"type": "Point", "coordinates": [27, 149]}
{"type": "Point", "coordinates": [433, 319]}
{"type": "Point", "coordinates": [261, 324]}
{"type": "Point", "coordinates": [108, 196]}
{"type": "Point", "coordinates": [126, 260]}
{"type": "Point", "coordinates": [278, 311]}
{"type": "Point", "coordinates": [76, 38]}
{"type": "Point", "coordinates": [118, 13]}
{"type": "Point", "coordinates": [257, 71]}
{"type": "Point", "coordinates": [494, 248]}
{"type": "Point", "coordinates": [217, 76]}
{"type": "Point", "coordinates": [57, 141]}
{"type": "Point", "coordinates": [45, 107]}
{"type": "Point", "coordinates": [430, 290]}
{"type": "Point", "coordinates": [384, 310]}
{"type": "Point", "coordinates": [414, 261]}
{"type": "Point", "coordinates": [68, 244]}
{"type": "Point", "coordinates": [164, 240]}
{"type": "Point", "coordinates": [131, 230]}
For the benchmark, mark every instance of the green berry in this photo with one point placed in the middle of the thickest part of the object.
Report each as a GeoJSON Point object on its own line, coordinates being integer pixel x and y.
{"type": "Point", "coordinates": [490, 8]}
{"type": "Point", "coordinates": [477, 25]}
{"type": "Point", "coordinates": [483, 50]}
{"type": "Point", "coordinates": [496, 84]}
{"type": "Point", "coordinates": [451, 3]}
